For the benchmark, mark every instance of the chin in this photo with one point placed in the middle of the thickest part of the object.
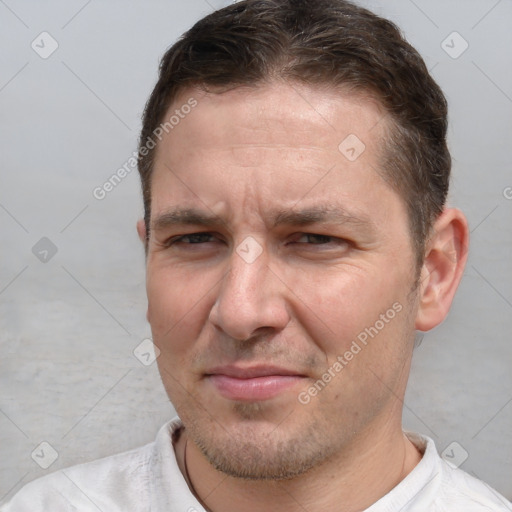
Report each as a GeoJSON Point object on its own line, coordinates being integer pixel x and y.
{"type": "Point", "coordinates": [254, 448]}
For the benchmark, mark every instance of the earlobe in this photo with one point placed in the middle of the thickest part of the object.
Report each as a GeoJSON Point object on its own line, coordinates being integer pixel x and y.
{"type": "Point", "coordinates": [443, 267]}
{"type": "Point", "coordinates": [141, 230]}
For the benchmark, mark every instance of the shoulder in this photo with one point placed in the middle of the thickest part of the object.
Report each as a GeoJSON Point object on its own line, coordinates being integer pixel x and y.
{"type": "Point", "coordinates": [98, 485]}
{"type": "Point", "coordinates": [459, 490]}
{"type": "Point", "coordinates": [115, 483]}
{"type": "Point", "coordinates": [447, 488]}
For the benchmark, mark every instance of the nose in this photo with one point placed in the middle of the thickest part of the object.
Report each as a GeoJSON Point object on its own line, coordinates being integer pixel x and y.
{"type": "Point", "coordinates": [251, 298]}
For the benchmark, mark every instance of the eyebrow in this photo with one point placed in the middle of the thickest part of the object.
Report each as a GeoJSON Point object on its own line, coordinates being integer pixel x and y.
{"type": "Point", "coordinates": [318, 214]}
{"type": "Point", "coordinates": [304, 217]}
{"type": "Point", "coordinates": [184, 216]}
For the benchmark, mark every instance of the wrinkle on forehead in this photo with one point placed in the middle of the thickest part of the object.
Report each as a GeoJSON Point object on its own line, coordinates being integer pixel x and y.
{"type": "Point", "coordinates": [266, 111]}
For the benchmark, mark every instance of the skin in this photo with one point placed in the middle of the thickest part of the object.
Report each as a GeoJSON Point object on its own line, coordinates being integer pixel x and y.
{"type": "Point", "coordinates": [240, 157]}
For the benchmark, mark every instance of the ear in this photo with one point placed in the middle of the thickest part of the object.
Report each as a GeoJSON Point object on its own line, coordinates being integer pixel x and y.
{"type": "Point", "coordinates": [141, 230]}
{"type": "Point", "coordinates": [443, 267]}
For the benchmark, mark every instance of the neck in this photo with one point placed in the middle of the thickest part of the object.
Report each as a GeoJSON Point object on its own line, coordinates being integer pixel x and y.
{"type": "Point", "coordinates": [374, 464]}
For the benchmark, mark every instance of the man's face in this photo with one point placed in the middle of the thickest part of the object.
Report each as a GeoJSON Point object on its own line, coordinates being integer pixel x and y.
{"type": "Point", "coordinates": [274, 255]}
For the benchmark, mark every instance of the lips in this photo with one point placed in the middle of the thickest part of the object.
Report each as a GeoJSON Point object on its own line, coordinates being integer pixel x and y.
{"type": "Point", "coordinates": [254, 383]}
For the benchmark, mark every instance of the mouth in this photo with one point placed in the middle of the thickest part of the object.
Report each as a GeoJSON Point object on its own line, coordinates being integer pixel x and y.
{"type": "Point", "coordinates": [254, 383]}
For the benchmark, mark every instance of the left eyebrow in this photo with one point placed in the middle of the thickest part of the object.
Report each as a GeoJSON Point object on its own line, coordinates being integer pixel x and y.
{"type": "Point", "coordinates": [322, 214]}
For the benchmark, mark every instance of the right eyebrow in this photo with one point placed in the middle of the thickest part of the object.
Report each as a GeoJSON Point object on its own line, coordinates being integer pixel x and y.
{"type": "Point", "coordinates": [180, 216]}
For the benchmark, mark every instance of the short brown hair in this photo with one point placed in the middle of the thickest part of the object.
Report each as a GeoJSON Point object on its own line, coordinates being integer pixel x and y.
{"type": "Point", "coordinates": [319, 42]}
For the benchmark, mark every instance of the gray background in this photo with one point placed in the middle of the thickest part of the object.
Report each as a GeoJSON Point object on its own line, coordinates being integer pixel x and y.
{"type": "Point", "coordinates": [69, 325]}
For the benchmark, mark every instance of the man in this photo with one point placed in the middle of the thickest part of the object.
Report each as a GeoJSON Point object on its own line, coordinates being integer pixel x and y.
{"type": "Point", "coordinates": [294, 171]}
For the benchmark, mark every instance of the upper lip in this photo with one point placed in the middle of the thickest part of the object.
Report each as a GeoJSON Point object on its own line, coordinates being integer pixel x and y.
{"type": "Point", "coordinates": [251, 372]}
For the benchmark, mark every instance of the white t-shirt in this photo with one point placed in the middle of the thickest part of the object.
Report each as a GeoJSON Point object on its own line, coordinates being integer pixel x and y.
{"type": "Point", "coordinates": [148, 479]}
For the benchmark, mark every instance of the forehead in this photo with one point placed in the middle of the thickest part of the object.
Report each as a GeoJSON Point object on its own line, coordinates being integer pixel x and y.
{"type": "Point", "coordinates": [270, 146]}
{"type": "Point", "coordinates": [319, 115]}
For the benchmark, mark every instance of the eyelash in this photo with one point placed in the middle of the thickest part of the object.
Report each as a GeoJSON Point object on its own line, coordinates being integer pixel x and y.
{"type": "Point", "coordinates": [190, 235]}
{"type": "Point", "coordinates": [180, 239]}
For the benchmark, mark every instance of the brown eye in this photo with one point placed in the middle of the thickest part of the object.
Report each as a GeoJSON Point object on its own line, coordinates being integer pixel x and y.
{"type": "Point", "coordinates": [315, 239]}
{"type": "Point", "coordinates": [196, 238]}
{"type": "Point", "coordinates": [191, 239]}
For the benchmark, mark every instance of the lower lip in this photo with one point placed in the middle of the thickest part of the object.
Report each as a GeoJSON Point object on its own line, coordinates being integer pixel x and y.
{"type": "Point", "coordinates": [256, 388]}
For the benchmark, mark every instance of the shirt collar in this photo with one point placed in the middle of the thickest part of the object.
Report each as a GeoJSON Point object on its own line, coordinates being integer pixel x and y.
{"type": "Point", "coordinates": [170, 492]}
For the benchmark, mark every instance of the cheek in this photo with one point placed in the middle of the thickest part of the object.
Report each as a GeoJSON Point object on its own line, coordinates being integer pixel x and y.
{"type": "Point", "coordinates": [366, 347]}
{"type": "Point", "coordinates": [177, 308]}
{"type": "Point", "coordinates": [177, 312]}
{"type": "Point", "coordinates": [339, 304]}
